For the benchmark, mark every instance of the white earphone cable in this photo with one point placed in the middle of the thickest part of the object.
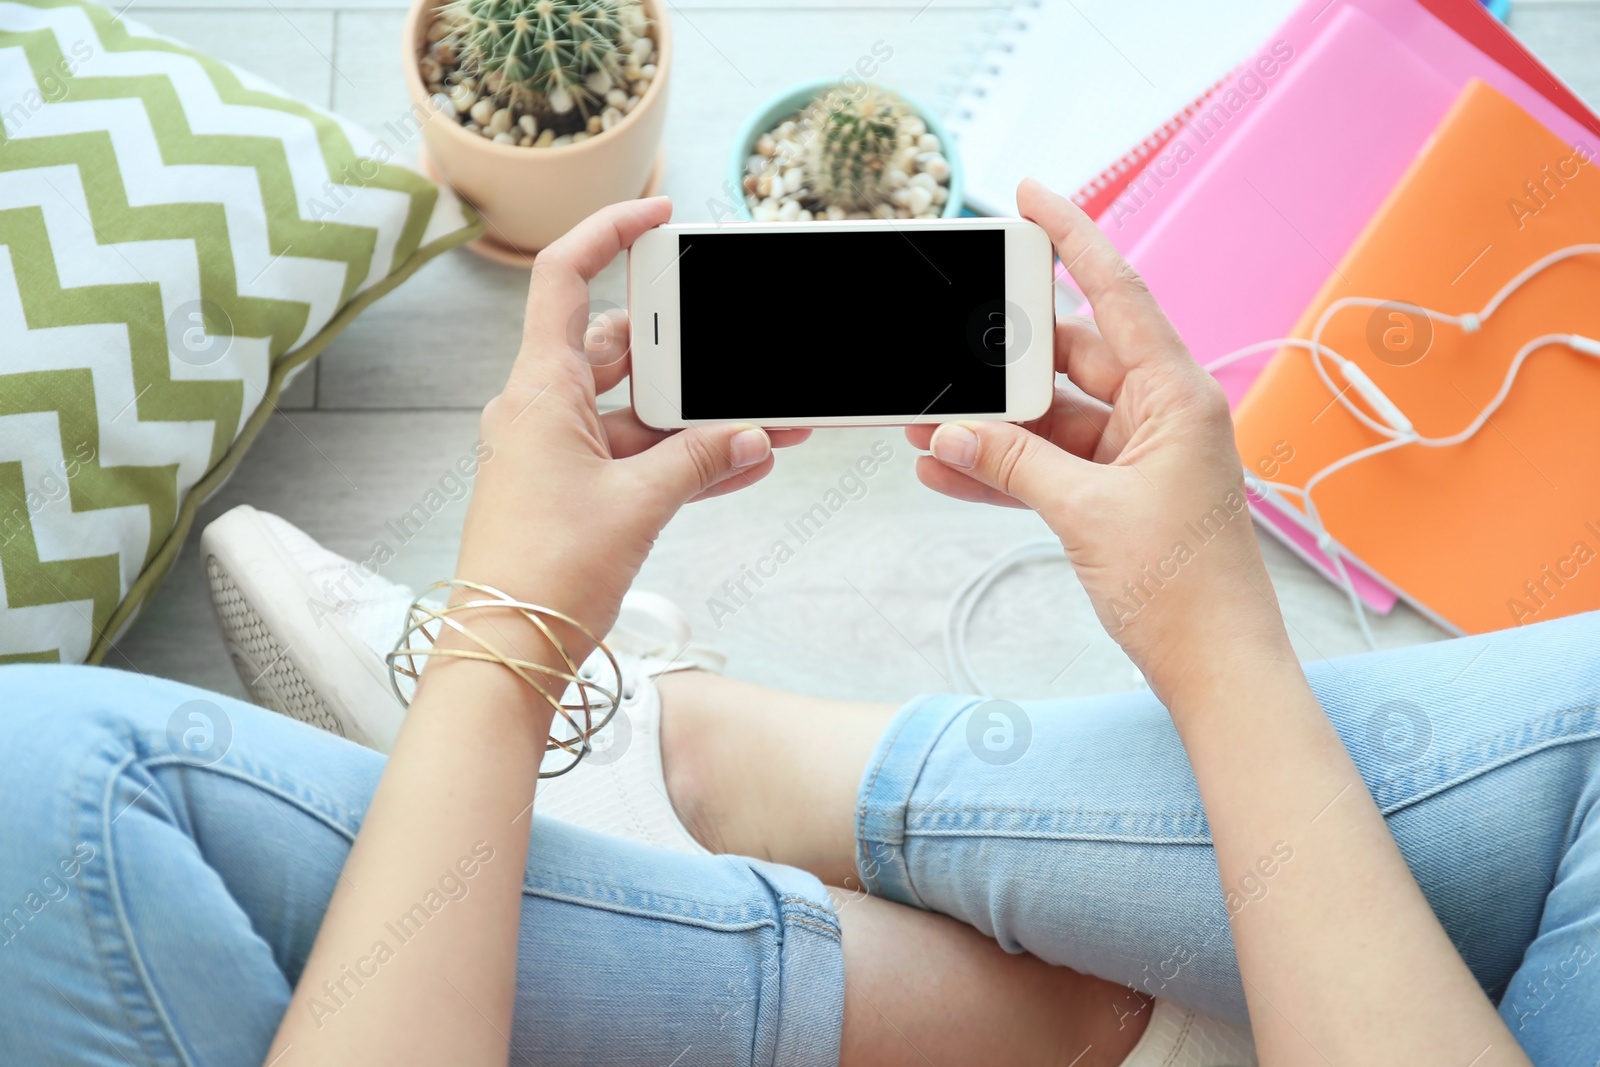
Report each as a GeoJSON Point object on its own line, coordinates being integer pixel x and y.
{"type": "Point", "coordinates": [1392, 425]}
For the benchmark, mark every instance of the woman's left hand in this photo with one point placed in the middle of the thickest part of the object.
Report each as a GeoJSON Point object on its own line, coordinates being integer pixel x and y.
{"type": "Point", "coordinates": [569, 501]}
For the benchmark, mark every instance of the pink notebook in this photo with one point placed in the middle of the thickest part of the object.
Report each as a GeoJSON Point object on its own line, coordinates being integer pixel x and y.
{"type": "Point", "coordinates": [1237, 229]}
{"type": "Point", "coordinates": [1243, 233]}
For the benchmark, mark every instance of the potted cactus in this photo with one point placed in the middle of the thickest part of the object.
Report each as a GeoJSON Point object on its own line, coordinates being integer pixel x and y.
{"type": "Point", "coordinates": [539, 111]}
{"type": "Point", "coordinates": [826, 150]}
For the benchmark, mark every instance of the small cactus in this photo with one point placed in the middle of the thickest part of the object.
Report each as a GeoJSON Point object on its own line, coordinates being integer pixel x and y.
{"type": "Point", "coordinates": [543, 55]}
{"type": "Point", "coordinates": [853, 140]}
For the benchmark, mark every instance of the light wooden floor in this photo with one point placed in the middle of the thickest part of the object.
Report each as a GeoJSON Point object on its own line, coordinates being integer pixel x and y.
{"type": "Point", "coordinates": [857, 612]}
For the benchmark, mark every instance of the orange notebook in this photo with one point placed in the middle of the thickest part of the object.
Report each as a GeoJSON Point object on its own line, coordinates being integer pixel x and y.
{"type": "Point", "coordinates": [1504, 529]}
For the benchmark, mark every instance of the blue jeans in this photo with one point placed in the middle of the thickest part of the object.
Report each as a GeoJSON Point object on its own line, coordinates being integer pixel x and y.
{"type": "Point", "coordinates": [166, 856]}
{"type": "Point", "coordinates": [1074, 831]}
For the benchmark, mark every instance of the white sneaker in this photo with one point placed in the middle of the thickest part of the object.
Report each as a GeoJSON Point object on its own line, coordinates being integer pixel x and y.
{"type": "Point", "coordinates": [308, 631]}
{"type": "Point", "coordinates": [1182, 1037]}
{"type": "Point", "coordinates": [304, 626]}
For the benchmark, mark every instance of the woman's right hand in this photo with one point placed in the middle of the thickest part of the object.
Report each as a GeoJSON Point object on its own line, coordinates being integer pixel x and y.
{"type": "Point", "coordinates": [1135, 470]}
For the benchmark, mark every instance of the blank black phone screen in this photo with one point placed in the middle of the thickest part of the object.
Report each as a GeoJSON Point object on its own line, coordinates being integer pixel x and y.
{"type": "Point", "coordinates": [842, 323]}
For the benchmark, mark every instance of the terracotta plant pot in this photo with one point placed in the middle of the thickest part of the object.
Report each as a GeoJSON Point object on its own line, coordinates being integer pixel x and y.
{"type": "Point", "coordinates": [531, 196]}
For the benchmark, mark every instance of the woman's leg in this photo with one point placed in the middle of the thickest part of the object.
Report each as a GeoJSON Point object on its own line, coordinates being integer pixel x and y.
{"type": "Point", "coordinates": [167, 855]}
{"type": "Point", "coordinates": [1073, 830]}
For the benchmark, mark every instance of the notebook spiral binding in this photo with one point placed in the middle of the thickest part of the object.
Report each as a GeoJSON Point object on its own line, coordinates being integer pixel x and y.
{"type": "Point", "coordinates": [961, 92]}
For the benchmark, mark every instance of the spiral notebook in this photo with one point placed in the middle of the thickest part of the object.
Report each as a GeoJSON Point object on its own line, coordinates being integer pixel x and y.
{"type": "Point", "coordinates": [1065, 86]}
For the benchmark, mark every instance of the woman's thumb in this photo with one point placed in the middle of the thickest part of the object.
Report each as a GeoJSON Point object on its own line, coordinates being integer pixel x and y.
{"type": "Point", "coordinates": [1006, 457]}
{"type": "Point", "coordinates": [694, 460]}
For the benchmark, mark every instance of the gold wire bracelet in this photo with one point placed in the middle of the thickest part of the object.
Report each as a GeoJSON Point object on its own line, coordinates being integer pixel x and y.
{"type": "Point", "coordinates": [403, 661]}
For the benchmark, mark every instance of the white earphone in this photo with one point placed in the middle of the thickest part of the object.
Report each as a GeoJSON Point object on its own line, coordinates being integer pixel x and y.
{"type": "Point", "coordinates": [1386, 420]}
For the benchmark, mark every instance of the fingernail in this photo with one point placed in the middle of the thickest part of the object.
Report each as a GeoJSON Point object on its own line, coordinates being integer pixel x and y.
{"type": "Point", "coordinates": [749, 447]}
{"type": "Point", "coordinates": [956, 445]}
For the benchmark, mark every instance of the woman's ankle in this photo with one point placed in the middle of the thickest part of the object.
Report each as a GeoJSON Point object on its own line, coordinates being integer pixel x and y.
{"type": "Point", "coordinates": [699, 776]}
{"type": "Point", "coordinates": [763, 773]}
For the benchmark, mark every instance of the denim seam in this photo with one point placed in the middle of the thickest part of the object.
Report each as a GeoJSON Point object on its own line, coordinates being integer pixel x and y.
{"type": "Point", "coordinates": [300, 796]}
{"type": "Point", "coordinates": [695, 913]}
{"type": "Point", "coordinates": [1201, 841]}
{"type": "Point", "coordinates": [1010, 810]}
{"type": "Point", "coordinates": [811, 911]}
{"type": "Point", "coordinates": [290, 790]}
{"type": "Point", "coordinates": [703, 923]}
{"type": "Point", "coordinates": [801, 920]}
{"type": "Point", "coordinates": [129, 947]}
{"type": "Point", "coordinates": [1482, 748]}
{"type": "Point", "coordinates": [871, 786]}
{"type": "Point", "coordinates": [901, 810]}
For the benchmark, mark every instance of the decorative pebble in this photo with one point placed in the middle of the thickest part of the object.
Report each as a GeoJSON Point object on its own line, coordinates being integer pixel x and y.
{"type": "Point", "coordinates": [564, 139]}
{"type": "Point", "coordinates": [581, 136]}
{"type": "Point", "coordinates": [633, 102]}
{"type": "Point", "coordinates": [560, 100]}
{"type": "Point", "coordinates": [503, 138]}
{"type": "Point", "coordinates": [545, 139]}
{"type": "Point", "coordinates": [441, 103]}
{"type": "Point", "coordinates": [599, 81]}
{"type": "Point", "coordinates": [463, 97]}
{"type": "Point", "coordinates": [616, 98]}
{"type": "Point", "coordinates": [609, 118]}
{"type": "Point", "coordinates": [501, 122]}
{"type": "Point", "coordinates": [528, 126]}
{"type": "Point", "coordinates": [775, 183]}
{"type": "Point", "coordinates": [592, 125]}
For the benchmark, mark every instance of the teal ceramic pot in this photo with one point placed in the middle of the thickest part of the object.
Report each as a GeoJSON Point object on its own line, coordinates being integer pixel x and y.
{"type": "Point", "coordinates": [789, 102]}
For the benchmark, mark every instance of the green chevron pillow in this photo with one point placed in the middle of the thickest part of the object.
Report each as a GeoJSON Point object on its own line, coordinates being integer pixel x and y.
{"type": "Point", "coordinates": [176, 237]}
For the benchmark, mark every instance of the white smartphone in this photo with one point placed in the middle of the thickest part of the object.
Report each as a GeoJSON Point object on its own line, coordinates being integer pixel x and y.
{"type": "Point", "coordinates": [852, 323]}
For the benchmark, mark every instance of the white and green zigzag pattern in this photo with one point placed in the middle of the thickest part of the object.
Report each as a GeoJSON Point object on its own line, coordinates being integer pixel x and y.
{"type": "Point", "coordinates": [138, 177]}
